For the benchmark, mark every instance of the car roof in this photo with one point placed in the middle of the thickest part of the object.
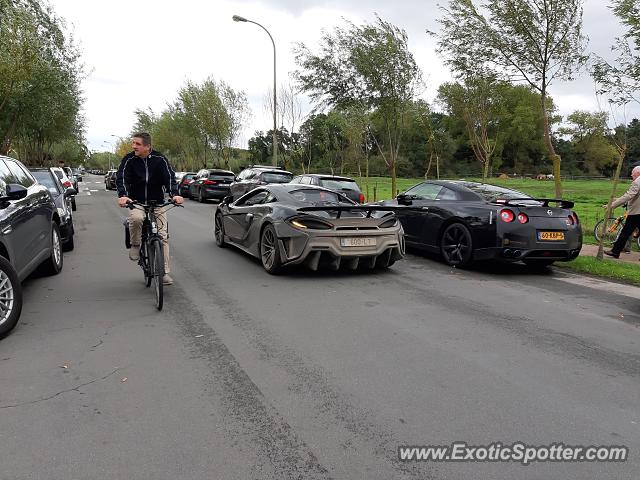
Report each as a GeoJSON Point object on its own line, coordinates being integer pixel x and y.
{"type": "Point", "coordinates": [269, 169]}
{"type": "Point", "coordinates": [327, 176]}
{"type": "Point", "coordinates": [219, 170]}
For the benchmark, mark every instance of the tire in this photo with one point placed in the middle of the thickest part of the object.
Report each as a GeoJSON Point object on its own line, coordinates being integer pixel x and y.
{"type": "Point", "coordinates": [201, 199]}
{"type": "Point", "coordinates": [218, 230]}
{"type": "Point", "coordinates": [158, 272]}
{"type": "Point", "coordinates": [269, 252]}
{"type": "Point", "coordinates": [10, 297]}
{"type": "Point", "coordinates": [456, 245]}
{"type": "Point", "coordinates": [73, 204]}
{"type": "Point", "coordinates": [538, 264]}
{"type": "Point", "coordinates": [610, 235]}
{"type": "Point", "coordinates": [53, 264]}
{"type": "Point", "coordinates": [145, 261]}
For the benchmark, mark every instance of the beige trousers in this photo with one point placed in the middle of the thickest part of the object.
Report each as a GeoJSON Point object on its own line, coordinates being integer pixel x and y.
{"type": "Point", "coordinates": [136, 217]}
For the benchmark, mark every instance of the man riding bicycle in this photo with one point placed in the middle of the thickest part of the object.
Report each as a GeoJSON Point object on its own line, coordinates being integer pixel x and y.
{"type": "Point", "coordinates": [145, 175]}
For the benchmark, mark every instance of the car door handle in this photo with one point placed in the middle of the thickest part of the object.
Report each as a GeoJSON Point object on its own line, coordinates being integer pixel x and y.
{"type": "Point", "coordinates": [425, 208]}
{"type": "Point", "coordinates": [249, 216]}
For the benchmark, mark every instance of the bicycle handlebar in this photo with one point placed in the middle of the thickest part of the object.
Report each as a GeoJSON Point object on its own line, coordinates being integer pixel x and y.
{"type": "Point", "coordinates": [133, 204]}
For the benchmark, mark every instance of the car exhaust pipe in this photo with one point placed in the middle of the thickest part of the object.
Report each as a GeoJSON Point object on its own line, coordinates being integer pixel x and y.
{"type": "Point", "coordinates": [516, 253]}
{"type": "Point", "coordinates": [507, 252]}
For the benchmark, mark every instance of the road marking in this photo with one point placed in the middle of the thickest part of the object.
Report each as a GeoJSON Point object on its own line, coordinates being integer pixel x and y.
{"type": "Point", "coordinates": [603, 285]}
{"type": "Point", "coordinates": [89, 193]}
{"type": "Point", "coordinates": [93, 190]}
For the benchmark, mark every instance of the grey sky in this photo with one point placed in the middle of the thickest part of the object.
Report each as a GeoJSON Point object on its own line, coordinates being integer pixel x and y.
{"type": "Point", "coordinates": [127, 42]}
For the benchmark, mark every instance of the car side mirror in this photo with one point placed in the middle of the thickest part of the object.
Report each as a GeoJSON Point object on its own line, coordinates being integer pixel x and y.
{"type": "Point", "coordinates": [404, 199]}
{"type": "Point", "coordinates": [70, 192]}
{"type": "Point", "coordinates": [14, 191]}
{"type": "Point", "coordinates": [227, 200]}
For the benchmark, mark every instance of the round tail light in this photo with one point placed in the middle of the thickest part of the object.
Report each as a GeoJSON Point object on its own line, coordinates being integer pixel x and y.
{"type": "Point", "coordinates": [523, 218]}
{"type": "Point", "coordinates": [507, 215]}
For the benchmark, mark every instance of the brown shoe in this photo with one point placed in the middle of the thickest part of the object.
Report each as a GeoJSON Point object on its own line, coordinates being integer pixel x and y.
{"type": "Point", "coordinates": [134, 253]}
{"type": "Point", "coordinates": [167, 280]}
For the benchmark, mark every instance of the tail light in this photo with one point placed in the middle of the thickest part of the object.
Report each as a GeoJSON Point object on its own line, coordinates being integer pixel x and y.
{"type": "Point", "coordinates": [66, 184]}
{"type": "Point", "coordinates": [575, 218]}
{"type": "Point", "coordinates": [389, 223]}
{"type": "Point", "coordinates": [361, 198]}
{"type": "Point", "coordinates": [523, 218]}
{"type": "Point", "coordinates": [209, 182]}
{"type": "Point", "coordinates": [305, 223]}
{"type": "Point", "coordinates": [507, 215]}
{"type": "Point", "coordinates": [570, 220]}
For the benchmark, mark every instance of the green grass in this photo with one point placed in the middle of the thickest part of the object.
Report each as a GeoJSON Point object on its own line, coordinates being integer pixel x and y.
{"type": "Point", "coordinates": [588, 195]}
{"type": "Point", "coordinates": [624, 271]}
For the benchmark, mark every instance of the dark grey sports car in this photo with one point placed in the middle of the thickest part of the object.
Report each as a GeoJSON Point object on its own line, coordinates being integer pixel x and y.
{"type": "Point", "coordinates": [290, 224]}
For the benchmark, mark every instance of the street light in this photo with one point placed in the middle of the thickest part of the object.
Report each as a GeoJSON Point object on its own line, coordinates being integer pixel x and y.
{"type": "Point", "coordinates": [238, 18]}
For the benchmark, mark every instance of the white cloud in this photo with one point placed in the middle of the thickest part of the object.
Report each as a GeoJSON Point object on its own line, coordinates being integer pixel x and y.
{"type": "Point", "coordinates": [140, 52]}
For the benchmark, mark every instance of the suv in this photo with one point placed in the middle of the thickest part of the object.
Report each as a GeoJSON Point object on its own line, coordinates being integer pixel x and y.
{"type": "Point", "coordinates": [183, 184]}
{"type": "Point", "coordinates": [110, 180]}
{"type": "Point", "coordinates": [211, 183]}
{"type": "Point", "coordinates": [30, 227]}
{"type": "Point", "coordinates": [253, 177]}
{"type": "Point", "coordinates": [344, 185]}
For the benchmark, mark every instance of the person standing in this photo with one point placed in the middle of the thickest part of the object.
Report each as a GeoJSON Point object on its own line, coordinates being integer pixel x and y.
{"type": "Point", "coordinates": [145, 175]}
{"type": "Point", "coordinates": [632, 199]}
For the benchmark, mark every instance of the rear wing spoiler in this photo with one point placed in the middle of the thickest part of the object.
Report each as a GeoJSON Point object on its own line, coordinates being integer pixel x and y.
{"type": "Point", "coordinates": [363, 208]}
{"type": "Point", "coordinates": [545, 201]}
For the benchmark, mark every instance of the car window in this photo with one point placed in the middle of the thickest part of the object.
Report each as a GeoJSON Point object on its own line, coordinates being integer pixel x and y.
{"type": "Point", "coordinates": [45, 178]}
{"type": "Point", "coordinates": [425, 191]}
{"type": "Point", "coordinates": [296, 179]}
{"type": "Point", "coordinates": [492, 192]}
{"type": "Point", "coordinates": [305, 180]}
{"type": "Point", "coordinates": [19, 174]}
{"type": "Point", "coordinates": [221, 176]}
{"type": "Point", "coordinates": [276, 177]}
{"type": "Point", "coordinates": [448, 194]}
{"type": "Point", "coordinates": [334, 184]}
{"type": "Point", "coordinates": [318, 196]}
{"type": "Point", "coordinates": [254, 199]}
{"type": "Point", "coordinates": [6, 174]}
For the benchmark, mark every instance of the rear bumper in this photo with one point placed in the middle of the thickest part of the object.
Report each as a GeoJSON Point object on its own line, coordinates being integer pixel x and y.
{"type": "Point", "coordinates": [325, 249]}
{"type": "Point", "coordinates": [514, 254]}
{"type": "Point", "coordinates": [218, 193]}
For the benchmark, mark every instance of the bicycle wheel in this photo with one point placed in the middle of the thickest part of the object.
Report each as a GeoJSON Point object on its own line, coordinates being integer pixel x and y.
{"type": "Point", "coordinates": [610, 235]}
{"type": "Point", "coordinates": [145, 263]}
{"type": "Point", "coordinates": [158, 271]}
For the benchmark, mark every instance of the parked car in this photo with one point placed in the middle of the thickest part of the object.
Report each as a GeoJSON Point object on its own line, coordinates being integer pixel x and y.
{"type": "Point", "coordinates": [294, 224]}
{"type": "Point", "coordinates": [62, 198]}
{"type": "Point", "coordinates": [211, 183]}
{"type": "Point", "coordinates": [183, 184]}
{"type": "Point", "coordinates": [66, 183]}
{"type": "Point", "coordinates": [466, 221]}
{"type": "Point", "coordinates": [345, 185]}
{"type": "Point", "coordinates": [256, 176]}
{"type": "Point", "coordinates": [78, 172]}
{"type": "Point", "coordinates": [30, 240]}
{"type": "Point", "coordinates": [72, 177]}
{"type": "Point", "coordinates": [110, 180]}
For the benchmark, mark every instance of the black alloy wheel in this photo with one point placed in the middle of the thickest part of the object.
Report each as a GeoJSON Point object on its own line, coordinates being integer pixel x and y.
{"type": "Point", "coordinates": [456, 245]}
{"type": "Point", "coordinates": [10, 297]}
{"type": "Point", "coordinates": [218, 230]}
{"type": "Point", "coordinates": [269, 251]}
{"type": "Point", "coordinates": [200, 197]}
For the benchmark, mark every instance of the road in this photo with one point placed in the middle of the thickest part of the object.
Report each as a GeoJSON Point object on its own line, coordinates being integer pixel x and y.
{"type": "Point", "coordinates": [310, 375]}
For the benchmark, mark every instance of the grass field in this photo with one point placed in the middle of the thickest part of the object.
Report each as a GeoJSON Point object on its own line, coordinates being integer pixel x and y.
{"type": "Point", "coordinates": [588, 195]}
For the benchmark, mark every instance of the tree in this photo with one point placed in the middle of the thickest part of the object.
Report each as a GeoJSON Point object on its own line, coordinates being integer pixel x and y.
{"type": "Point", "coordinates": [621, 79]}
{"type": "Point", "coordinates": [368, 66]}
{"type": "Point", "coordinates": [535, 41]}
{"type": "Point", "coordinates": [237, 112]}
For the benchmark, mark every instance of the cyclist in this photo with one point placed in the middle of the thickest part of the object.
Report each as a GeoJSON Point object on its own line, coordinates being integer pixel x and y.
{"type": "Point", "coordinates": [145, 175]}
{"type": "Point", "coordinates": [632, 199]}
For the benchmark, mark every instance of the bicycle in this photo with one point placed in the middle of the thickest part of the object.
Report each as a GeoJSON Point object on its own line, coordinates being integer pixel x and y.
{"type": "Point", "coordinates": [614, 229]}
{"type": "Point", "coordinates": [151, 252]}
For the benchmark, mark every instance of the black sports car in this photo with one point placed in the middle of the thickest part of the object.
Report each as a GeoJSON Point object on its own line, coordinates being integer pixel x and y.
{"type": "Point", "coordinates": [289, 224]}
{"type": "Point", "coordinates": [467, 221]}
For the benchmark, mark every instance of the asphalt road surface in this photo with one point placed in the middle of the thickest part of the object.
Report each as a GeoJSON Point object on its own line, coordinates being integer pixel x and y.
{"type": "Point", "coordinates": [310, 375]}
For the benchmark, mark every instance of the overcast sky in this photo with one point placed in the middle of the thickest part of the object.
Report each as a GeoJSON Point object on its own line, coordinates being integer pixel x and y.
{"type": "Point", "coordinates": [140, 52]}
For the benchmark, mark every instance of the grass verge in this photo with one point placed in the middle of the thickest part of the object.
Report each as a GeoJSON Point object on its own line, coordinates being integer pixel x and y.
{"type": "Point", "coordinates": [622, 271]}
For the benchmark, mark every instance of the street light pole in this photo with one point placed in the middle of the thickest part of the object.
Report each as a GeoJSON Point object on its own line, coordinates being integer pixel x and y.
{"type": "Point", "coordinates": [238, 18]}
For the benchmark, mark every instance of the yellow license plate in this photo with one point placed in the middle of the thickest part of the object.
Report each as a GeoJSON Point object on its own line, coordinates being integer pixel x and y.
{"type": "Point", "coordinates": [358, 242]}
{"type": "Point", "coordinates": [550, 236]}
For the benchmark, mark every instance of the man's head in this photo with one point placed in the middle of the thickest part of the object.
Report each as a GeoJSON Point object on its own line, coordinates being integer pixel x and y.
{"type": "Point", "coordinates": [61, 163]}
{"type": "Point", "coordinates": [635, 173]}
{"type": "Point", "coordinates": [141, 144]}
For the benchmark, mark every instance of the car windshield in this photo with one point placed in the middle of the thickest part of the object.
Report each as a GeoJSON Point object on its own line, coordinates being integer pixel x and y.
{"type": "Point", "coordinates": [319, 197]}
{"type": "Point", "coordinates": [221, 176]}
{"type": "Point", "coordinates": [276, 177]}
{"type": "Point", "coordinates": [491, 193]}
{"type": "Point", "coordinates": [334, 184]}
{"type": "Point", "coordinates": [188, 176]}
{"type": "Point", "coordinates": [45, 178]}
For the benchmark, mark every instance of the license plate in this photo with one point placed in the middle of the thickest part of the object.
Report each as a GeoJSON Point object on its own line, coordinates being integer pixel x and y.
{"type": "Point", "coordinates": [550, 236]}
{"type": "Point", "coordinates": [358, 242]}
